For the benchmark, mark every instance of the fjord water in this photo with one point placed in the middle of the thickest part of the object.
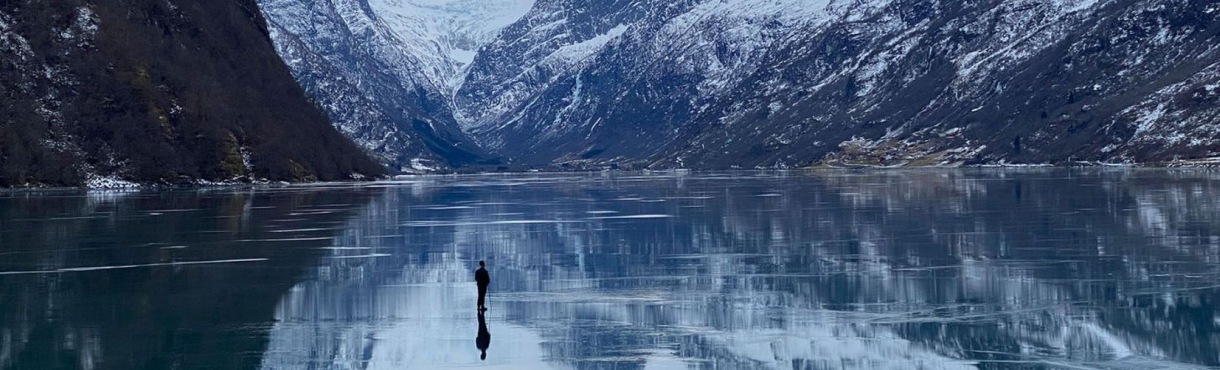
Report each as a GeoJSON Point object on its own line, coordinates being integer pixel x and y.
{"type": "Point", "coordinates": [912, 269]}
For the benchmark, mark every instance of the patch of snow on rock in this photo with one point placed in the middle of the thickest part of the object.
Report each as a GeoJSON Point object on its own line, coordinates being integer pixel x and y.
{"type": "Point", "coordinates": [579, 52]}
{"type": "Point", "coordinates": [109, 182]}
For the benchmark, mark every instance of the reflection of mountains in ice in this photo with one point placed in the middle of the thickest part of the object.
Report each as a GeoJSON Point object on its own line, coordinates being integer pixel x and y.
{"type": "Point", "coordinates": [902, 270]}
{"type": "Point", "coordinates": [87, 283]}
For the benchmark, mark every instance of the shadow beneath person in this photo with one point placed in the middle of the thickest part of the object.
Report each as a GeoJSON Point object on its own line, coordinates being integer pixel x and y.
{"type": "Point", "coordinates": [484, 339]}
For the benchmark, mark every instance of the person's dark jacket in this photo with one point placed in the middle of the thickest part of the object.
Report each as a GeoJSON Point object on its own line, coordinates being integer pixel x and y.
{"type": "Point", "coordinates": [482, 277]}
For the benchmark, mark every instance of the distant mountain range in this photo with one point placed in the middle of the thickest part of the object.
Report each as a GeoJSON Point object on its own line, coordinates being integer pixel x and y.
{"type": "Point", "coordinates": [173, 91]}
{"type": "Point", "coordinates": [771, 83]}
{"type": "Point", "coordinates": [107, 93]}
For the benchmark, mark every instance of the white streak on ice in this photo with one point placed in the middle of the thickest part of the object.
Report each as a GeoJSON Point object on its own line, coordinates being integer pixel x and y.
{"type": "Point", "coordinates": [374, 255]}
{"type": "Point", "coordinates": [631, 217]}
{"type": "Point", "coordinates": [488, 223]}
{"type": "Point", "coordinates": [284, 240]}
{"type": "Point", "coordinates": [121, 267]}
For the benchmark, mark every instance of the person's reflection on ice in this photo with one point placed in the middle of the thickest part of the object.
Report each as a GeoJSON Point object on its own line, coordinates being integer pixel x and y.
{"type": "Point", "coordinates": [484, 339]}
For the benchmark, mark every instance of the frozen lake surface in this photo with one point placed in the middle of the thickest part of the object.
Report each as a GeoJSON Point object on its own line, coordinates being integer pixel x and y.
{"type": "Point", "coordinates": [912, 269]}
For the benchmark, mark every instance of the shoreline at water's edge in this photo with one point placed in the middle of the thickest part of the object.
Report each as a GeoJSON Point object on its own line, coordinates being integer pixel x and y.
{"type": "Point", "coordinates": [122, 185]}
{"type": "Point", "coordinates": [1202, 163]}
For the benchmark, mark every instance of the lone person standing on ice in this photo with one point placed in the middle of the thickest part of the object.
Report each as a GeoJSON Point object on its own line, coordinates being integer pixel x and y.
{"type": "Point", "coordinates": [483, 279]}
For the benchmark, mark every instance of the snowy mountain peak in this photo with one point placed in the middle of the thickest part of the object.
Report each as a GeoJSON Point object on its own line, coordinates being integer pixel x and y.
{"type": "Point", "coordinates": [385, 69]}
{"type": "Point", "coordinates": [447, 34]}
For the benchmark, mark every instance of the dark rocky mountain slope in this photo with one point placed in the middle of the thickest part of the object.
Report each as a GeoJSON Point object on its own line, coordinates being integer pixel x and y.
{"type": "Point", "coordinates": [156, 91]}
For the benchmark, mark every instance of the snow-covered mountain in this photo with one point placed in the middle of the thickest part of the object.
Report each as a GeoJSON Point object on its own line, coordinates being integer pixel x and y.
{"type": "Point", "coordinates": [783, 83]}
{"type": "Point", "coordinates": [446, 34]}
{"type": "Point", "coordinates": [385, 69]}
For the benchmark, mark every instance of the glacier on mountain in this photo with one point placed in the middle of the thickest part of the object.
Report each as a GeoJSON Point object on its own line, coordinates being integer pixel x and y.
{"type": "Point", "coordinates": [385, 69]}
{"type": "Point", "coordinates": [446, 34]}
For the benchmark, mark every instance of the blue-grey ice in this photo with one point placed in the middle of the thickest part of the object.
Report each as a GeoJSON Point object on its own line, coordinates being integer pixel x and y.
{"type": "Point", "coordinates": [919, 269]}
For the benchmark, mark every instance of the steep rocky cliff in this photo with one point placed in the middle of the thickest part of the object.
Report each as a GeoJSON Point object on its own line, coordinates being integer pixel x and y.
{"type": "Point", "coordinates": [156, 91]}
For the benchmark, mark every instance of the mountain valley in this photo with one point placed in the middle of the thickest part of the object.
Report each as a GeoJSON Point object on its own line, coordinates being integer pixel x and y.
{"type": "Point", "coordinates": [782, 83]}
